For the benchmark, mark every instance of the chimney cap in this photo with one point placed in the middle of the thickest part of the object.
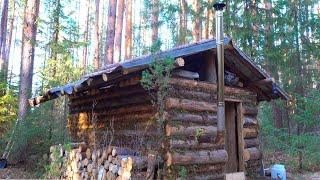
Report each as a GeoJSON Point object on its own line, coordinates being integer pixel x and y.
{"type": "Point", "coordinates": [218, 6]}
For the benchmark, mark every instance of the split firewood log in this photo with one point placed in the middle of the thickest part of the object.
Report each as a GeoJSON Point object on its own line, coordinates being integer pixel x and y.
{"type": "Point", "coordinates": [88, 153]}
{"type": "Point", "coordinates": [111, 176]}
{"type": "Point", "coordinates": [113, 168]}
{"type": "Point", "coordinates": [85, 161]}
{"type": "Point", "coordinates": [106, 165]}
{"type": "Point", "coordinates": [101, 173]}
{"type": "Point", "coordinates": [82, 148]}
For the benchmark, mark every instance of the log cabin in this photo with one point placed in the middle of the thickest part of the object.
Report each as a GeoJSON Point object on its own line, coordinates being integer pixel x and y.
{"type": "Point", "coordinates": [111, 106]}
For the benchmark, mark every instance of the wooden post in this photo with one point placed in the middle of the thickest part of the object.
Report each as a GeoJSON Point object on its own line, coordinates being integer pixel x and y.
{"type": "Point", "coordinates": [240, 136]}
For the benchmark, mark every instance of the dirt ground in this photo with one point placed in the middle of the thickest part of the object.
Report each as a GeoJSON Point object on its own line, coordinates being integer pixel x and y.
{"type": "Point", "coordinates": [20, 173]}
{"type": "Point", "coordinates": [15, 173]}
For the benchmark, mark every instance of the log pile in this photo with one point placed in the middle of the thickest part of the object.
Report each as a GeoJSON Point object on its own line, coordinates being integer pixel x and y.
{"type": "Point", "coordinates": [84, 162]}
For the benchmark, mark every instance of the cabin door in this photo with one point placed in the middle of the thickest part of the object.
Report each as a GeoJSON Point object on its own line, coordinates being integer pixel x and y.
{"type": "Point", "coordinates": [231, 137]}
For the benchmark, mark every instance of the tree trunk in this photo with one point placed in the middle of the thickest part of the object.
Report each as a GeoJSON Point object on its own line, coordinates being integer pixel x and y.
{"type": "Point", "coordinates": [96, 36]}
{"type": "Point", "coordinates": [86, 38]}
{"type": "Point", "coordinates": [128, 35]}
{"type": "Point", "coordinates": [27, 60]}
{"type": "Point", "coordinates": [118, 34]}
{"type": "Point", "coordinates": [196, 32]}
{"type": "Point", "coordinates": [270, 48]}
{"type": "Point", "coordinates": [209, 20]}
{"type": "Point", "coordinates": [110, 31]}
{"type": "Point", "coordinates": [299, 85]}
{"type": "Point", "coordinates": [155, 20]}
{"type": "Point", "coordinates": [56, 31]}
{"type": "Point", "coordinates": [183, 22]}
{"type": "Point", "coordinates": [3, 38]}
{"type": "Point", "coordinates": [11, 28]}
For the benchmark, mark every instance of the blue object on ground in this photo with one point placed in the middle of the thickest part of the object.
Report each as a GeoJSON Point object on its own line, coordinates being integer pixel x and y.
{"type": "Point", "coordinates": [3, 163]}
{"type": "Point", "coordinates": [278, 172]}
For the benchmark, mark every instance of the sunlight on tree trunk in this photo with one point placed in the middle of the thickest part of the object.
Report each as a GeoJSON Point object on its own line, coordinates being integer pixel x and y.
{"type": "Point", "coordinates": [118, 34]}
{"type": "Point", "coordinates": [27, 60]}
{"type": "Point", "coordinates": [110, 31]}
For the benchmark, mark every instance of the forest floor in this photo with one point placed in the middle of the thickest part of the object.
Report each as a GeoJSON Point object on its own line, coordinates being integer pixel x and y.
{"type": "Point", "coordinates": [15, 173]}
{"type": "Point", "coordinates": [281, 158]}
{"type": "Point", "coordinates": [19, 172]}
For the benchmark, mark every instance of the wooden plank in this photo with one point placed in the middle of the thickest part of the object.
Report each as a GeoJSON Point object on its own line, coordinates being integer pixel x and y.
{"type": "Point", "coordinates": [235, 176]}
{"type": "Point", "coordinates": [240, 136]}
{"type": "Point", "coordinates": [231, 137]}
{"type": "Point", "coordinates": [210, 68]}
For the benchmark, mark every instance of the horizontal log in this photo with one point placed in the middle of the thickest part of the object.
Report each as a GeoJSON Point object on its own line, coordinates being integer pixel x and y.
{"type": "Point", "coordinates": [180, 73]}
{"type": "Point", "coordinates": [207, 177]}
{"type": "Point", "coordinates": [190, 105]}
{"type": "Point", "coordinates": [191, 94]}
{"type": "Point", "coordinates": [252, 111]}
{"type": "Point", "coordinates": [249, 121]}
{"type": "Point", "coordinates": [198, 157]}
{"type": "Point", "coordinates": [119, 118]}
{"type": "Point", "coordinates": [190, 131]}
{"type": "Point", "coordinates": [146, 107]}
{"type": "Point", "coordinates": [204, 118]}
{"type": "Point", "coordinates": [205, 168]}
{"type": "Point", "coordinates": [253, 142]}
{"type": "Point", "coordinates": [193, 144]}
{"type": "Point", "coordinates": [137, 99]}
{"type": "Point", "coordinates": [121, 151]}
{"type": "Point", "coordinates": [249, 133]}
{"type": "Point", "coordinates": [207, 87]}
{"type": "Point", "coordinates": [251, 154]}
{"type": "Point", "coordinates": [113, 93]}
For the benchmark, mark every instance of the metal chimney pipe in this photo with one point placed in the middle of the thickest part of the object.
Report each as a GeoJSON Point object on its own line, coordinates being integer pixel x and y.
{"type": "Point", "coordinates": [220, 56]}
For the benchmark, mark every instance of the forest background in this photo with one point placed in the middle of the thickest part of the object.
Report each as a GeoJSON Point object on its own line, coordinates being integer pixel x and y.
{"type": "Point", "coordinates": [47, 43]}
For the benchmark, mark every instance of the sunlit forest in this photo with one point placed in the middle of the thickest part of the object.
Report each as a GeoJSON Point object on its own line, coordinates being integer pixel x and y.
{"type": "Point", "coordinates": [48, 43]}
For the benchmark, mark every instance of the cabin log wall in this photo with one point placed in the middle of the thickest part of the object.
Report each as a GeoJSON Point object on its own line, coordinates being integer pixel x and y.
{"type": "Point", "coordinates": [123, 114]}
{"type": "Point", "coordinates": [191, 128]}
{"type": "Point", "coordinates": [190, 124]}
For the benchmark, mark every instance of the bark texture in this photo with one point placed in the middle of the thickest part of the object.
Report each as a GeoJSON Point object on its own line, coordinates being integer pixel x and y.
{"type": "Point", "coordinates": [96, 63]}
{"type": "Point", "coordinates": [27, 59]}
{"type": "Point", "coordinates": [155, 20]}
{"type": "Point", "coordinates": [128, 33]}
{"type": "Point", "coordinates": [110, 31]}
{"type": "Point", "coordinates": [196, 31]}
{"type": "Point", "coordinates": [3, 38]}
{"type": "Point", "coordinates": [118, 33]}
{"type": "Point", "coordinates": [183, 21]}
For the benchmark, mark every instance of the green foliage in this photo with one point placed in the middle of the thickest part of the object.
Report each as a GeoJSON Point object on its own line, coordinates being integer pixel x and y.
{"type": "Point", "coordinates": [8, 107]}
{"type": "Point", "coordinates": [182, 173]}
{"type": "Point", "coordinates": [157, 77]}
{"type": "Point", "coordinates": [307, 142]}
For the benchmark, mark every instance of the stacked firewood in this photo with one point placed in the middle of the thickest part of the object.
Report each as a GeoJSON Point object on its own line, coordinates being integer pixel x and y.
{"type": "Point", "coordinates": [84, 162]}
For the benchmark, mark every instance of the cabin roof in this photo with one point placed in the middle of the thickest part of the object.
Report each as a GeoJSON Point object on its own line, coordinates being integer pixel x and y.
{"type": "Point", "coordinates": [255, 78]}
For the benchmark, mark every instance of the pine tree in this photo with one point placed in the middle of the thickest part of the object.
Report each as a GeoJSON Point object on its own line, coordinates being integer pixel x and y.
{"type": "Point", "coordinates": [27, 60]}
{"type": "Point", "coordinates": [118, 32]}
{"type": "Point", "coordinates": [3, 39]}
{"type": "Point", "coordinates": [96, 63]}
{"type": "Point", "coordinates": [128, 30]}
{"type": "Point", "coordinates": [110, 31]}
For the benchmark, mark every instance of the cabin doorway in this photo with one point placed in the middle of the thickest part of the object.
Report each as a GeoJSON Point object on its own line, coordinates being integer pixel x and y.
{"type": "Point", "coordinates": [233, 141]}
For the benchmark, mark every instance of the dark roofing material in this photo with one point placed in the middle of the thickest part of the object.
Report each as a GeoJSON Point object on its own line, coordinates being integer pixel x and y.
{"type": "Point", "coordinates": [235, 59]}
